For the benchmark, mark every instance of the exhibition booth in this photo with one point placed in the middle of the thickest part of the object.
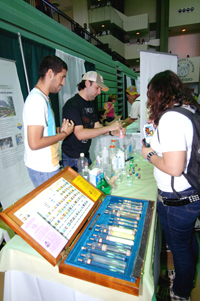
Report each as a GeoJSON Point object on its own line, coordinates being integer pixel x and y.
{"type": "Point", "coordinates": [27, 267]}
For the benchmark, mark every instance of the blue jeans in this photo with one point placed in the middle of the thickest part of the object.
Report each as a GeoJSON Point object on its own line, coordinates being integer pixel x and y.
{"type": "Point", "coordinates": [178, 225]}
{"type": "Point", "coordinates": [72, 162]}
{"type": "Point", "coordinates": [39, 177]}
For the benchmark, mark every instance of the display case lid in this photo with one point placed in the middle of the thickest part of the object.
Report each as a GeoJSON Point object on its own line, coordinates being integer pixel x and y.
{"type": "Point", "coordinates": [63, 204]}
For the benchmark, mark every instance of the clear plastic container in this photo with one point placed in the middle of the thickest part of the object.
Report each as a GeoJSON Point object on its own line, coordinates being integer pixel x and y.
{"type": "Point", "coordinates": [105, 155]}
{"type": "Point", "coordinates": [113, 142]}
{"type": "Point", "coordinates": [82, 163]}
{"type": "Point", "coordinates": [128, 180]}
{"type": "Point", "coordinates": [121, 159]}
{"type": "Point", "coordinates": [85, 173]}
{"type": "Point", "coordinates": [113, 157]}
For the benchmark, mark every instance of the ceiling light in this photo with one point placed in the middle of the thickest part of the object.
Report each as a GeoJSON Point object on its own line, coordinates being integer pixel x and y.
{"type": "Point", "coordinates": [137, 33]}
{"type": "Point", "coordinates": [183, 29]}
{"type": "Point", "coordinates": [102, 25]}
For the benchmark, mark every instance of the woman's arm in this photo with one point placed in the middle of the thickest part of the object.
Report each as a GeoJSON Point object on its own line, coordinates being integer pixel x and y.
{"type": "Point", "coordinates": [172, 163]}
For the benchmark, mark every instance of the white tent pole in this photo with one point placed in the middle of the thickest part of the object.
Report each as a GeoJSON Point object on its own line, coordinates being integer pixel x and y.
{"type": "Point", "coordinates": [23, 60]}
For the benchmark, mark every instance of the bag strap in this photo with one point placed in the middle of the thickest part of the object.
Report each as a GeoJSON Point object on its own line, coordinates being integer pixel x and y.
{"type": "Point", "coordinates": [188, 114]}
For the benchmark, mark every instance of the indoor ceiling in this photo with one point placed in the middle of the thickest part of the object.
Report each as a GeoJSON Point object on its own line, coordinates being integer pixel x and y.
{"type": "Point", "coordinates": [191, 28]}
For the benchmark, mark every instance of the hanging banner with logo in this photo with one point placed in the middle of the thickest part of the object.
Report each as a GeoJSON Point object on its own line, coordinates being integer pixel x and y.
{"type": "Point", "coordinates": [188, 70]}
{"type": "Point", "coordinates": [14, 178]}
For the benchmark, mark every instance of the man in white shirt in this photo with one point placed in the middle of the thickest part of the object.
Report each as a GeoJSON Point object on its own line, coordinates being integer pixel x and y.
{"type": "Point", "coordinates": [134, 101]}
{"type": "Point", "coordinates": [40, 138]}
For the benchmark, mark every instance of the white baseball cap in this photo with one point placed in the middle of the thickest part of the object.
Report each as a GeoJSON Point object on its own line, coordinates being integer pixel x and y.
{"type": "Point", "coordinates": [95, 77]}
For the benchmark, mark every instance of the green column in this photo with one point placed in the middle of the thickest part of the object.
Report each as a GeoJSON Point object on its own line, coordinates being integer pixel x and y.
{"type": "Point", "coordinates": [163, 24]}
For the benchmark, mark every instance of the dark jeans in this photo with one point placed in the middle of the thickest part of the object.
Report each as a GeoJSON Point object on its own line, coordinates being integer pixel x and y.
{"type": "Point", "coordinates": [178, 225]}
{"type": "Point", "coordinates": [72, 162]}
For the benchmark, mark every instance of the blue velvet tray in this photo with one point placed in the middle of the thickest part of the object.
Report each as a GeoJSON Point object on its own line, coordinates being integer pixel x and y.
{"type": "Point", "coordinates": [135, 261]}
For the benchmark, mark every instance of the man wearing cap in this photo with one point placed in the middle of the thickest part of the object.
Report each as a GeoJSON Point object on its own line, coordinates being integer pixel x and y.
{"type": "Point", "coordinates": [80, 108]}
{"type": "Point", "coordinates": [134, 100]}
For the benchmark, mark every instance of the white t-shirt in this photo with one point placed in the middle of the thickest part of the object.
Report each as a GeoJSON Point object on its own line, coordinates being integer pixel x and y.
{"type": "Point", "coordinates": [175, 134]}
{"type": "Point", "coordinates": [37, 111]}
{"type": "Point", "coordinates": [135, 112]}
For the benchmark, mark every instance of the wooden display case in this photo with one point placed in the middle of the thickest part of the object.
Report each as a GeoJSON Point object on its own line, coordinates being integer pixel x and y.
{"type": "Point", "coordinates": [86, 217]}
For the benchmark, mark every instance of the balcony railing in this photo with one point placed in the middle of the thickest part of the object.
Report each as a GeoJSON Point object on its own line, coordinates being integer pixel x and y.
{"type": "Point", "coordinates": [56, 14]}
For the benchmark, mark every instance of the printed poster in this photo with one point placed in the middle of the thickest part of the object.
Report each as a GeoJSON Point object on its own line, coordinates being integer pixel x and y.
{"type": "Point", "coordinates": [14, 178]}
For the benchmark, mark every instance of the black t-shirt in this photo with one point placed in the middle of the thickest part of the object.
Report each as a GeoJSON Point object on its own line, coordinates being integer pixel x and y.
{"type": "Point", "coordinates": [81, 112]}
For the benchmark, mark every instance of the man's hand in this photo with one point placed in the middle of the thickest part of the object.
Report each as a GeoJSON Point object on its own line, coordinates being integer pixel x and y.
{"type": "Point", "coordinates": [121, 133]}
{"type": "Point", "coordinates": [67, 127]}
{"type": "Point", "coordinates": [115, 126]}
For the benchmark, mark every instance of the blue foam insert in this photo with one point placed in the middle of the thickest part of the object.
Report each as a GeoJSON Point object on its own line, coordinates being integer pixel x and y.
{"type": "Point", "coordinates": [104, 218]}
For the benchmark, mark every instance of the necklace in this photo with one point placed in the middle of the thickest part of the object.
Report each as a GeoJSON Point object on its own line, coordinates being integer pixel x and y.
{"type": "Point", "coordinates": [41, 91]}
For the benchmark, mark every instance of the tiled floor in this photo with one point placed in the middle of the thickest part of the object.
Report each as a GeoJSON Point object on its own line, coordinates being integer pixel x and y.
{"type": "Point", "coordinates": [163, 288]}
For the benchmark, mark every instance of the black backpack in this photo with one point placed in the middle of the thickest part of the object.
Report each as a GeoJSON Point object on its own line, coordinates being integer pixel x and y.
{"type": "Point", "coordinates": [193, 170]}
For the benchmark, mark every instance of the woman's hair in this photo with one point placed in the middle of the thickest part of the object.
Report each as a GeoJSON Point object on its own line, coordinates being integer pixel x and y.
{"type": "Point", "coordinates": [165, 90]}
{"type": "Point", "coordinates": [111, 97]}
{"type": "Point", "coordinates": [100, 113]}
{"type": "Point", "coordinates": [51, 62]}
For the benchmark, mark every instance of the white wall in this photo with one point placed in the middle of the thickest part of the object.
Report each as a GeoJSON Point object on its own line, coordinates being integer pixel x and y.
{"type": "Point", "coordinates": [139, 7]}
{"type": "Point", "coordinates": [184, 45]}
{"type": "Point", "coordinates": [176, 19]}
{"type": "Point", "coordinates": [80, 10]}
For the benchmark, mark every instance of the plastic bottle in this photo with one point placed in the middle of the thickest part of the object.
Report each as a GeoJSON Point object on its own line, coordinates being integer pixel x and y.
{"type": "Point", "coordinates": [121, 159]}
{"type": "Point", "coordinates": [105, 156]}
{"type": "Point", "coordinates": [113, 142]}
{"type": "Point", "coordinates": [98, 160]}
{"type": "Point", "coordinates": [126, 153]}
{"type": "Point", "coordinates": [85, 173]}
{"type": "Point", "coordinates": [82, 163]}
{"type": "Point", "coordinates": [113, 157]}
{"type": "Point", "coordinates": [128, 180]}
{"type": "Point", "coordinates": [133, 142]}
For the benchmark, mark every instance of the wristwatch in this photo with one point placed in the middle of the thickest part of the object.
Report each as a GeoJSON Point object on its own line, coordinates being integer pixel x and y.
{"type": "Point", "coordinates": [149, 155]}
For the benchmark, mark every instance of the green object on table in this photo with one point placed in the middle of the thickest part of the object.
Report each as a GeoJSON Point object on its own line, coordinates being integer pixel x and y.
{"type": "Point", "coordinates": [103, 185]}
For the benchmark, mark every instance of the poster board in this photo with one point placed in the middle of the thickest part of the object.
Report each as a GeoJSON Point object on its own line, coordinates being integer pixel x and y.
{"type": "Point", "coordinates": [14, 178]}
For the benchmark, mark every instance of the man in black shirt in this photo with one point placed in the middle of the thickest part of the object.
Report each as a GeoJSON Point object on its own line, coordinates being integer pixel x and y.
{"type": "Point", "coordinates": [80, 109]}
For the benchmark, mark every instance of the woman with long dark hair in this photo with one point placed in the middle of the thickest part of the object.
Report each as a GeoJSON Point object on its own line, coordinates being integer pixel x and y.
{"type": "Point", "coordinates": [170, 153]}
